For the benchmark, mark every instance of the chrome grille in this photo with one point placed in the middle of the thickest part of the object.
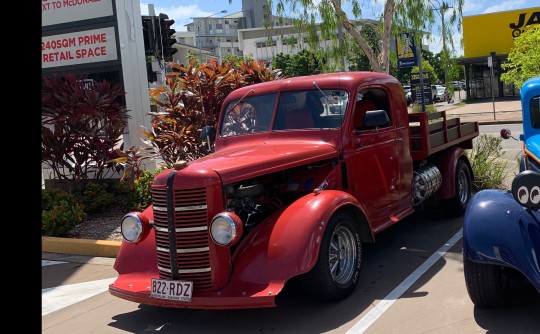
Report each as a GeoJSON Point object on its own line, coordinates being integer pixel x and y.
{"type": "Point", "coordinates": [191, 236]}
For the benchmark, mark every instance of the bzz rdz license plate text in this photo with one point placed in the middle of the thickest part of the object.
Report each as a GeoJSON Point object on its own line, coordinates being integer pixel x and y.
{"type": "Point", "coordinates": [173, 290]}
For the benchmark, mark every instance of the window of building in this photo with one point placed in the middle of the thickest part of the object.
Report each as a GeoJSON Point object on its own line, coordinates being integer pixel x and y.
{"type": "Point", "coordinates": [226, 21]}
{"type": "Point", "coordinates": [219, 26]}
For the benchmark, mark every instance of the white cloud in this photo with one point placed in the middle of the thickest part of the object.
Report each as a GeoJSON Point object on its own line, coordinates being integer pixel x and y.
{"type": "Point", "coordinates": [180, 14]}
{"type": "Point", "coordinates": [504, 6]}
{"type": "Point", "coordinates": [472, 6]}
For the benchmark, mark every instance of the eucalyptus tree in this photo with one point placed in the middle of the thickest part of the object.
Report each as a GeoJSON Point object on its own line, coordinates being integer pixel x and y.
{"type": "Point", "coordinates": [326, 23]}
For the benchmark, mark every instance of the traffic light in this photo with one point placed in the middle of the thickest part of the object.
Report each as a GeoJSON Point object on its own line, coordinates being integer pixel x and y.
{"type": "Point", "coordinates": [151, 44]}
{"type": "Point", "coordinates": [167, 39]}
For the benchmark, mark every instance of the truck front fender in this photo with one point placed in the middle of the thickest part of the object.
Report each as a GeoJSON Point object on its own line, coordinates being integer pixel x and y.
{"type": "Point", "coordinates": [139, 257]}
{"type": "Point", "coordinates": [288, 244]}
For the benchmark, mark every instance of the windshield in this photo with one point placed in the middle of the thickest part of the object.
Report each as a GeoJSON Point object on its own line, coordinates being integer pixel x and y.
{"type": "Point", "coordinates": [311, 109]}
{"type": "Point", "coordinates": [535, 112]}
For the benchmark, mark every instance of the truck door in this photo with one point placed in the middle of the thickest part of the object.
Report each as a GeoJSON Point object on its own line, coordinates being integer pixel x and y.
{"type": "Point", "coordinates": [373, 159]}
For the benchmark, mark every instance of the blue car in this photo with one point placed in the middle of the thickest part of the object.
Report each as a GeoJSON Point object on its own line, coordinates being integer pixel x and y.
{"type": "Point", "coordinates": [501, 229]}
{"type": "Point", "coordinates": [530, 102]}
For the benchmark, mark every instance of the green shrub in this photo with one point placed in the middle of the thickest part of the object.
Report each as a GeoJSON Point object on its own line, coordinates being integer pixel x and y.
{"type": "Point", "coordinates": [143, 188]}
{"type": "Point", "coordinates": [60, 212]}
{"type": "Point", "coordinates": [124, 196]}
{"type": "Point", "coordinates": [418, 108]}
{"type": "Point", "coordinates": [51, 196]}
{"type": "Point", "coordinates": [488, 167]}
{"type": "Point", "coordinates": [96, 198]}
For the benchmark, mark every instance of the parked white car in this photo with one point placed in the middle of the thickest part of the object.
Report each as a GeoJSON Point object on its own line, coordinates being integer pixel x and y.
{"type": "Point", "coordinates": [439, 93]}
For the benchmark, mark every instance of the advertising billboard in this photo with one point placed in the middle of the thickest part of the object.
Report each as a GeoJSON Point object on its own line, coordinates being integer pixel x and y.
{"type": "Point", "coordinates": [63, 11]}
{"type": "Point", "coordinates": [80, 47]}
{"type": "Point", "coordinates": [495, 31]}
{"type": "Point", "coordinates": [406, 50]}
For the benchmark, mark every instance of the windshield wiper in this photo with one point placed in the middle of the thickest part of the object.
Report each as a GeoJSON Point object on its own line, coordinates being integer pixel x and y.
{"type": "Point", "coordinates": [320, 90]}
{"type": "Point", "coordinates": [241, 99]}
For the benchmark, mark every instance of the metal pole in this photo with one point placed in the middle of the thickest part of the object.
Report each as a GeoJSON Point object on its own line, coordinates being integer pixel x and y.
{"type": "Point", "coordinates": [492, 93]}
{"type": "Point", "coordinates": [421, 73]}
{"type": "Point", "coordinates": [199, 41]}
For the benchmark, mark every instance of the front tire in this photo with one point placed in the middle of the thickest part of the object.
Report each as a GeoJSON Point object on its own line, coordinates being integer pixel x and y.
{"type": "Point", "coordinates": [487, 285]}
{"type": "Point", "coordinates": [336, 272]}
{"type": "Point", "coordinates": [456, 205]}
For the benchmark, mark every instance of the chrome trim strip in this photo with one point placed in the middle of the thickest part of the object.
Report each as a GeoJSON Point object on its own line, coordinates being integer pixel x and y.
{"type": "Point", "coordinates": [185, 250]}
{"type": "Point", "coordinates": [192, 271]}
{"type": "Point", "coordinates": [190, 208]}
{"type": "Point", "coordinates": [192, 250]}
{"type": "Point", "coordinates": [187, 271]}
{"type": "Point", "coordinates": [183, 229]}
{"type": "Point", "coordinates": [182, 208]}
{"type": "Point", "coordinates": [164, 269]}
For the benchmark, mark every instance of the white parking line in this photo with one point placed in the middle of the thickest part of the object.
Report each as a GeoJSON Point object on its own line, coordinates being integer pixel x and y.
{"type": "Point", "coordinates": [50, 263]}
{"type": "Point", "coordinates": [53, 299]}
{"type": "Point", "coordinates": [363, 324]}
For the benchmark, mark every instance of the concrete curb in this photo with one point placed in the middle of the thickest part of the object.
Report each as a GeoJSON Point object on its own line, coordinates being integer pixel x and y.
{"type": "Point", "coordinates": [101, 248]}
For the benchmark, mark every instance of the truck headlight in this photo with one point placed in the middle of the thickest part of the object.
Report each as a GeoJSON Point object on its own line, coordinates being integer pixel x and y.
{"type": "Point", "coordinates": [135, 227]}
{"type": "Point", "coordinates": [226, 229]}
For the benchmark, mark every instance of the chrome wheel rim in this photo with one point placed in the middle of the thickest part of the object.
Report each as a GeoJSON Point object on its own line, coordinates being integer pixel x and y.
{"type": "Point", "coordinates": [342, 255]}
{"type": "Point", "coordinates": [463, 187]}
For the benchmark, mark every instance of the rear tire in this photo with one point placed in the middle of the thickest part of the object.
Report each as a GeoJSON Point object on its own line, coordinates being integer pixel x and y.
{"type": "Point", "coordinates": [487, 285]}
{"type": "Point", "coordinates": [336, 272]}
{"type": "Point", "coordinates": [456, 205]}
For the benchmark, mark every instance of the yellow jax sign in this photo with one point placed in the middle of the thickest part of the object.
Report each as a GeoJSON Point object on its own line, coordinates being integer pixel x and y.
{"type": "Point", "coordinates": [495, 31]}
{"type": "Point", "coordinates": [406, 50]}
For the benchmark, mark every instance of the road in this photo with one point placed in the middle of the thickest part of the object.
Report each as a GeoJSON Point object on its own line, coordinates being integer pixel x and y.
{"type": "Point", "coordinates": [411, 282]}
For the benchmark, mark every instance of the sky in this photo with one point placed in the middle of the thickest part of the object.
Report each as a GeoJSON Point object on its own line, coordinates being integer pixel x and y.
{"type": "Point", "coordinates": [181, 11]}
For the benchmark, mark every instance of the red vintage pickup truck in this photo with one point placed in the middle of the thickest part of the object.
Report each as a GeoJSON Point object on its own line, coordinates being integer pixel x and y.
{"type": "Point", "coordinates": [305, 171]}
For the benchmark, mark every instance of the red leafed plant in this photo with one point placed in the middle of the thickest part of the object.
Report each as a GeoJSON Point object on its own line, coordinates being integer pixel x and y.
{"type": "Point", "coordinates": [80, 127]}
{"type": "Point", "coordinates": [191, 99]}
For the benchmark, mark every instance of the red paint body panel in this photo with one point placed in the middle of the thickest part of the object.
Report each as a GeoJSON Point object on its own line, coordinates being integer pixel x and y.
{"type": "Point", "coordinates": [241, 161]}
{"type": "Point", "coordinates": [368, 172]}
{"type": "Point", "coordinates": [284, 246]}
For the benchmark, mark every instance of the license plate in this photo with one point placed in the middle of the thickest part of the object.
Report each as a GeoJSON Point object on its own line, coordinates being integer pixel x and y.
{"type": "Point", "coordinates": [172, 290]}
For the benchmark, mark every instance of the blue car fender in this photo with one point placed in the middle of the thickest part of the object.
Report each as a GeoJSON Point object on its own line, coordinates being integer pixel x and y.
{"type": "Point", "coordinates": [498, 230]}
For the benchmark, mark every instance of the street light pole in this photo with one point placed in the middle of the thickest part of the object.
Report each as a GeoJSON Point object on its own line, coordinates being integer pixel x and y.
{"type": "Point", "coordinates": [199, 32]}
{"type": "Point", "coordinates": [445, 57]}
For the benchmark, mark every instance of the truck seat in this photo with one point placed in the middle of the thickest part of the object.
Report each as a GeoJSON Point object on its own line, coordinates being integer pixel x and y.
{"type": "Point", "coordinates": [299, 119]}
{"type": "Point", "coordinates": [360, 110]}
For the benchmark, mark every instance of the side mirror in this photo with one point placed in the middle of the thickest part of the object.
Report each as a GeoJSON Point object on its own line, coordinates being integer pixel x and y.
{"type": "Point", "coordinates": [506, 133]}
{"type": "Point", "coordinates": [208, 133]}
{"type": "Point", "coordinates": [526, 189]}
{"type": "Point", "coordinates": [375, 118]}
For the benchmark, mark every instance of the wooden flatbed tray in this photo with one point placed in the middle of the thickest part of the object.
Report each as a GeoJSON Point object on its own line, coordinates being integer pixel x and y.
{"type": "Point", "coordinates": [434, 132]}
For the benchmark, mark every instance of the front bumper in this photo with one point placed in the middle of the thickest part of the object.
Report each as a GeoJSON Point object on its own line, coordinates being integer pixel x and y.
{"type": "Point", "coordinates": [135, 287]}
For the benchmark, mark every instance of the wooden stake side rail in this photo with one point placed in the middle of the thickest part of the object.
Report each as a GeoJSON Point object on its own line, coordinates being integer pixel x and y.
{"type": "Point", "coordinates": [433, 132]}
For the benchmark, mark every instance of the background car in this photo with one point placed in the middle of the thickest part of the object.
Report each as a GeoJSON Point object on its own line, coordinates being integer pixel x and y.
{"type": "Point", "coordinates": [439, 93]}
{"type": "Point", "coordinates": [408, 94]}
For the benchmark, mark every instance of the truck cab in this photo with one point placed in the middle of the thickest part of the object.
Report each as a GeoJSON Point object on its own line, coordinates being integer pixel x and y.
{"type": "Point", "coordinates": [304, 172]}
